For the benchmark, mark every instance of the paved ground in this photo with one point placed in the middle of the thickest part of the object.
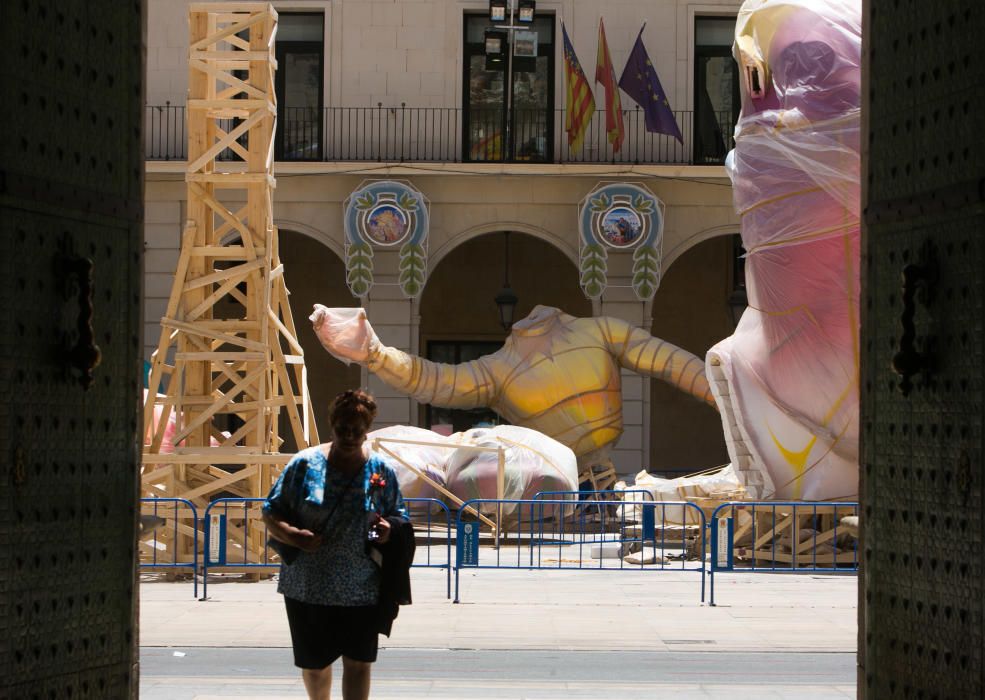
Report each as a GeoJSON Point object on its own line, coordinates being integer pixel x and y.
{"type": "Point", "coordinates": [410, 674]}
{"type": "Point", "coordinates": [520, 634]}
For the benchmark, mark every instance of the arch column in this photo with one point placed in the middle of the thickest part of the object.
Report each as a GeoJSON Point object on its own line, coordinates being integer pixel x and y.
{"type": "Point", "coordinates": [392, 316]}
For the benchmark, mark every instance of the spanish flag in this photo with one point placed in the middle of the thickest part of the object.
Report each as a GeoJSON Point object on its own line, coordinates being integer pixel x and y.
{"type": "Point", "coordinates": [579, 102]}
{"type": "Point", "coordinates": [605, 73]}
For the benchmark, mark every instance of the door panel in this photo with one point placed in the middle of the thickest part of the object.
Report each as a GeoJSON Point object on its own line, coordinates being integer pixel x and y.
{"type": "Point", "coordinates": [70, 279]}
{"type": "Point", "coordinates": [922, 598]}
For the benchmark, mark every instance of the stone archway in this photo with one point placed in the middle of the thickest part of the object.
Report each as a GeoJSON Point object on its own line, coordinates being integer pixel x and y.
{"type": "Point", "coordinates": [457, 308]}
{"type": "Point", "coordinates": [315, 274]}
{"type": "Point", "coordinates": [690, 310]}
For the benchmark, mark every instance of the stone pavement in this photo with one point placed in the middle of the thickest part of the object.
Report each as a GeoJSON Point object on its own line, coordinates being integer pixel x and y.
{"type": "Point", "coordinates": [658, 613]}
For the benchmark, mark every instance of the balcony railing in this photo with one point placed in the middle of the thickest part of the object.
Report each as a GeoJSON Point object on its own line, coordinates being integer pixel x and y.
{"type": "Point", "coordinates": [454, 135]}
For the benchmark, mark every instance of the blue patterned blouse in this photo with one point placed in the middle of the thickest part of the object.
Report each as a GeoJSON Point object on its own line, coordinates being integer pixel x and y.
{"type": "Point", "coordinates": [340, 572]}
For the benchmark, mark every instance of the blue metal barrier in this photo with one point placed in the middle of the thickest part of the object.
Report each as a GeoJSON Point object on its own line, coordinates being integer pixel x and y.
{"type": "Point", "coordinates": [175, 529]}
{"type": "Point", "coordinates": [771, 521]}
{"type": "Point", "coordinates": [536, 533]}
{"type": "Point", "coordinates": [216, 527]}
{"type": "Point", "coordinates": [416, 519]}
{"type": "Point", "coordinates": [591, 495]}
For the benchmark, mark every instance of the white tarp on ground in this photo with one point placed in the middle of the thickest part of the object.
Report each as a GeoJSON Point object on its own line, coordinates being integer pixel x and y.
{"type": "Point", "coordinates": [719, 484]}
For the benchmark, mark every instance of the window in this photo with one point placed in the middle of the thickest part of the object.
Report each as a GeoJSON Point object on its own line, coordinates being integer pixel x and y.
{"type": "Point", "coordinates": [716, 89]}
{"type": "Point", "coordinates": [524, 129]}
{"type": "Point", "coordinates": [299, 86]}
{"type": "Point", "coordinates": [453, 352]}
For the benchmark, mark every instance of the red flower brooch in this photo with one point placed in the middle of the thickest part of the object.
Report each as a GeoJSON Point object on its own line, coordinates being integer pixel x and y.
{"type": "Point", "coordinates": [376, 481]}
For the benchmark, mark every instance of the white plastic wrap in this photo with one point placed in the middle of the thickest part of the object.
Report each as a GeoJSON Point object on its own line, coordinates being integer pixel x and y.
{"type": "Point", "coordinates": [533, 463]}
{"type": "Point", "coordinates": [429, 461]}
{"type": "Point", "coordinates": [787, 380]}
{"type": "Point", "coordinates": [351, 334]}
{"type": "Point", "coordinates": [170, 429]}
{"type": "Point", "coordinates": [723, 483]}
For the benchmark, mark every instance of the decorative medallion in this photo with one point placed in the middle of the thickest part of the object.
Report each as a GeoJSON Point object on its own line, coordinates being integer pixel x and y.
{"type": "Point", "coordinates": [385, 214]}
{"type": "Point", "coordinates": [620, 217]}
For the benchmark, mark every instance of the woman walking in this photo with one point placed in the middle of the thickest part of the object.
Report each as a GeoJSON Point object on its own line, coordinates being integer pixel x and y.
{"type": "Point", "coordinates": [331, 512]}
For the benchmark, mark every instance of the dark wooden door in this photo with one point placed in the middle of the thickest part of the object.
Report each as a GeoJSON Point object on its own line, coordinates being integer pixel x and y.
{"type": "Point", "coordinates": [71, 191]}
{"type": "Point", "coordinates": [922, 596]}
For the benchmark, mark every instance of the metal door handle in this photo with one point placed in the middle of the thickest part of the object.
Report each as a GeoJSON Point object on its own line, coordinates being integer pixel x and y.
{"type": "Point", "coordinates": [84, 355]}
{"type": "Point", "coordinates": [908, 361]}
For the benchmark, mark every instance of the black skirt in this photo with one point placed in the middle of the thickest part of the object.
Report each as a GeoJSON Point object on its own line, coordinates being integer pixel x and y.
{"type": "Point", "coordinates": [322, 633]}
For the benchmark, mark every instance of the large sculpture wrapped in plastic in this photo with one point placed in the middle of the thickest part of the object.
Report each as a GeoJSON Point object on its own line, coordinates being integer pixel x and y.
{"type": "Point", "coordinates": [425, 462]}
{"type": "Point", "coordinates": [556, 374]}
{"type": "Point", "coordinates": [404, 441]}
{"type": "Point", "coordinates": [787, 380]}
{"type": "Point", "coordinates": [534, 463]}
{"type": "Point", "coordinates": [168, 430]}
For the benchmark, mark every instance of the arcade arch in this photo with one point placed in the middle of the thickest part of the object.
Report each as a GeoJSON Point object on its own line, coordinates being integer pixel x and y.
{"type": "Point", "coordinates": [458, 315]}
{"type": "Point", "coordinates": [691, 310]}
{"type": "Point", "coordinates": [314, 274]}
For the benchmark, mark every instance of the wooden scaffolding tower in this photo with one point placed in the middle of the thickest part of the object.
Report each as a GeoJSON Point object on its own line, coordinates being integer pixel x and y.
{"type": "Point", "coordinates": [229, 362]}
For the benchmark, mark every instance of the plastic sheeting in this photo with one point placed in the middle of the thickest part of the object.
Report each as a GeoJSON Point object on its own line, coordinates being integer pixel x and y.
{"type": "Point", "coordinates": [347, 325]}
{"type": "Point", "coordinates": [787, 381]}
{"type": "Point", "coordinates": [429, 461]}
{"type": "Point", "coordinates": [723, 484]}
{"type": "Point", "coordinates": [532, 462]}
{"type": "Point", "coordinates": [170, 429]}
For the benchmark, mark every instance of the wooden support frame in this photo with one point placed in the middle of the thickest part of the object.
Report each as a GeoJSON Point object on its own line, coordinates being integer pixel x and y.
{"type": "Point", "coordinates": [780, 535]}
{"type": "Point", "coordinates": [228, 352]}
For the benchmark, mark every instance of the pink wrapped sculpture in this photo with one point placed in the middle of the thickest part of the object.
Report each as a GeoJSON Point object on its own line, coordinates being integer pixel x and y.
{"type": "Point", "coordinates": [787, 381]}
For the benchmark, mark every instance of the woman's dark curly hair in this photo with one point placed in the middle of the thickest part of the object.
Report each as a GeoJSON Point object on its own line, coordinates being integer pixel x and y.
{"type": "Point", "coordinates": [352, 405]}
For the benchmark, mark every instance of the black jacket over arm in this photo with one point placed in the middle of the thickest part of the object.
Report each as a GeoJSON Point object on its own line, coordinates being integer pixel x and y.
{"type": "Point", "coordinates": [398, 555]}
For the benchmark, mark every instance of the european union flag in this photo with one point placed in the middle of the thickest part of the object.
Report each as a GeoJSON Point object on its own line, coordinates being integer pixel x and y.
{"type": "Point", "coordinates": [639, 80]}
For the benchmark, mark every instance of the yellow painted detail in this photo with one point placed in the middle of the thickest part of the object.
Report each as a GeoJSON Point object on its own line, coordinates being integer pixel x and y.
{"type": "Point", "coordinates": [797, 460]}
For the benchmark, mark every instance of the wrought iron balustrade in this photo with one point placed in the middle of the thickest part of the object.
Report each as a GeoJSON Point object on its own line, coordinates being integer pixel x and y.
{"type": "Point", "coordinates": [455, 135]}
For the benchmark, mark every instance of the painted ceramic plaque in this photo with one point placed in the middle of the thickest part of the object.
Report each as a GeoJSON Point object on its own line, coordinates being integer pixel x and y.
{"type": "Point", "coordinates": [620, 217]}
{"type": "Point", "coordinates": [386, 214]}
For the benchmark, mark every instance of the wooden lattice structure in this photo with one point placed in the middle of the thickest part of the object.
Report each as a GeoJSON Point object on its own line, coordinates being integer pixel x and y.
{"type": "Point", "coordinates": [229, 361]}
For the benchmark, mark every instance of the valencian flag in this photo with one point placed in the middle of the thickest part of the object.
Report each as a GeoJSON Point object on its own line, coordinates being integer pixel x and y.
{"type": "Point", "coordinates": [605, 73]}
{"type": "Point", "coordinates": [579, 102]}
{"type": "Point", "coordinates": [639, 80]}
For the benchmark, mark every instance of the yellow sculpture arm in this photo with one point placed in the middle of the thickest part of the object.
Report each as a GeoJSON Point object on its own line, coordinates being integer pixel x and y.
{"type": "Point", "coordinates": [467, 385]}
{"type": "Point", "coordinates": [637, 350]}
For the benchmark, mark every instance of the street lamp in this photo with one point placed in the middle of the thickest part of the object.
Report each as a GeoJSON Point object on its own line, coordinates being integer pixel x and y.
{"type": "Point", "coordinates": [506, 299]}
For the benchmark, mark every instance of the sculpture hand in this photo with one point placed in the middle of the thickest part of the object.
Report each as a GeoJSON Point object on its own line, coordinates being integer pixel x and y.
{"type": "Point", "coordinates": [344, 332]}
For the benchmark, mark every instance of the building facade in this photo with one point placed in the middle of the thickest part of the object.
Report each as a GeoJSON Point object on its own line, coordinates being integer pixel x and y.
{"type": "Point", "coordinates": [377, 90]}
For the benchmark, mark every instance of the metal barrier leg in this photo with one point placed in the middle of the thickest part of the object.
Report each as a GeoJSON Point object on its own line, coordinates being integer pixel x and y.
{"type": "Point", "coordinates": [205, 560]}
{"type": "Point", "coordinates": [448, 553]}
{"type": "Point", "coordinates": [456, 583]}
{"type": "Point", "coordinates": [704, 557]}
